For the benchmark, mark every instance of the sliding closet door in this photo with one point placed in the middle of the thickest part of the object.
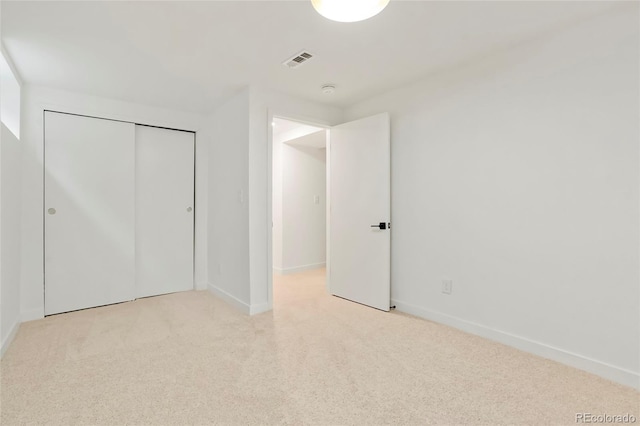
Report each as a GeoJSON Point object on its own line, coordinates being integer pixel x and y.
{"type": "Point", "coordinates": [89, 212]}
{"type": "Point", "coordinates": [164, 210]}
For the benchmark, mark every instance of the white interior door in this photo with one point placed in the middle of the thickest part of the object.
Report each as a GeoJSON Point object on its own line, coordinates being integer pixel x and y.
{"type": "Point", "coordinates": [89, 212]}
{"type": "Point", "coordinates": [360, 211]}
{"type": "Point", "coordinates": [164, 210]}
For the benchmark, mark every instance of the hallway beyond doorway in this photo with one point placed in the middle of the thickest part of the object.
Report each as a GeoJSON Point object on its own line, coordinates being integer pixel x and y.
{"type": "Point", "coordinates": [296, 288]}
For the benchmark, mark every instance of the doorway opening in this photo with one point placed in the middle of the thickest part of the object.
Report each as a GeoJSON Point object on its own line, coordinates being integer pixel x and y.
{"type": "Point", "coordinates": [299, 209]}
{"type": "Point", "coordinates": [356, 207]}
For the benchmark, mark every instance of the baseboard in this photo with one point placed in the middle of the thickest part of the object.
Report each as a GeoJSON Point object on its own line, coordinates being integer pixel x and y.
{"type": "Point", "coordinates": [201, 285]}
{"type": "Point", "coordinates": [31, 315]}
{"type": "Point", "coordinates": [599, 368]}
{"type": "Point", "coordinates": [232, 300]}
{"type": "Point", "coordinates": [296, 269]}
{"type": "Point", "coordinates": [7, 341]}
{"type": "Point", "coordinates": [260, 308]}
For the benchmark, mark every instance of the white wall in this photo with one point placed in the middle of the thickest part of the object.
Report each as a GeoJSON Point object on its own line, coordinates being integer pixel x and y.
{"type": "Point", "coordinates": [517, 177]}
{"type": "Point", "coordinates": [10, 206]}
{"type": "Point", "coordinates": [10, 156]}
{"type": "Point", "coordinates": [35, 100]}
{"type": "Point", "coordinates": [303, 222]}
{"type": "Point", "coordinates": [276, 206]}
{"type": "Point", "coordinates": [10, 99]}
{"type": "Point", "coordinates": [227, 134]}
{"type": "Point", "coordinates": [263, 106]}
{"type": "Point", "coordinates": [1, 340]}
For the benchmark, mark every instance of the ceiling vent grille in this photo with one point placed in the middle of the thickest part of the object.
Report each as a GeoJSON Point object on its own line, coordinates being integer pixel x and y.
{"type": "Point", "coordinates": [298, 59]}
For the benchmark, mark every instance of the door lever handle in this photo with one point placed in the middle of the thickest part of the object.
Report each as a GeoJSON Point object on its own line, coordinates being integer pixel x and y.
{"type": "Point", "coordinates": [381, 225]}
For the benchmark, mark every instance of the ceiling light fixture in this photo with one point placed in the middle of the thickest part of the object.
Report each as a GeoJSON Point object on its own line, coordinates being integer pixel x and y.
{"type": "Point", "coordinates": [349, 10]}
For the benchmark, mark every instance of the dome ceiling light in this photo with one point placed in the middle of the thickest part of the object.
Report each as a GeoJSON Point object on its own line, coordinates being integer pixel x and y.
{"type": "Point", "coordinates": [349, 10]}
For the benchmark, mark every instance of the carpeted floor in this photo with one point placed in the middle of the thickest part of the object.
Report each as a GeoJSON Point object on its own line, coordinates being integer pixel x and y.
{"type": "Point", "coordinates": [188, 358]}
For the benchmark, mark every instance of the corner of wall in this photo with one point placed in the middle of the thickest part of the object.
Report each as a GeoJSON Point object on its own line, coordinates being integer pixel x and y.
{"type": "Point", "coordinates": [10, 242]}
{"type": "Point", "coordinates": [230, 299]}
{"type": "Point", "coordinates": [6, 342]}
{"type": "Point", "coordinates": [31, 314]}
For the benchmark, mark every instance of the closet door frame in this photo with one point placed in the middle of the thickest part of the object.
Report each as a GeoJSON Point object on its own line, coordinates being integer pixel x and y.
{"type": "Point", "coordinates": [48, 108]}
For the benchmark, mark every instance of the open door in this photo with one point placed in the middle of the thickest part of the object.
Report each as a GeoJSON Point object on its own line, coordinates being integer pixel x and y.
{"type": "Point", "coordinates": [360, 211]}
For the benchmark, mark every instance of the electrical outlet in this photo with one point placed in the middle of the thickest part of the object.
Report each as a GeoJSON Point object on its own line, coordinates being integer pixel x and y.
{"type": "Point", "coordinates": [316, 199]}
{"type": "Point", "coordinates": [447, 286]}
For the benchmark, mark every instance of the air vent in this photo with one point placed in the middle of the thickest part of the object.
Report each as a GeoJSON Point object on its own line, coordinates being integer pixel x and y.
{"type": "Point", "coordinates": [298, 59]}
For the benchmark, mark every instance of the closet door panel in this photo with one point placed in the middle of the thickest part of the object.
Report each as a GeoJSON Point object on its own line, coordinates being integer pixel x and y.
{"type": "Point", "coordinates": [164, 210]}
{"type": "Point", "coordinates": [89, 212]}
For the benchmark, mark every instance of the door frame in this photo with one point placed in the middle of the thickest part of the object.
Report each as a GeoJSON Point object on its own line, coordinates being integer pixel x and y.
{"type": "Point", "coordinates": [270, 116]}
{"type": "Point", "coordinates": [44, 188]}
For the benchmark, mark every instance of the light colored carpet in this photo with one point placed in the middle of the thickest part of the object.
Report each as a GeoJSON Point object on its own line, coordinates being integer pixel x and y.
{"type": "Point", "coordinates": [188, 358]}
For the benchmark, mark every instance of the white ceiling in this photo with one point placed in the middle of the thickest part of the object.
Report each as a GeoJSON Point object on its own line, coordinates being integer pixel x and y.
{"type": "Point", "coordinates": [192, 55]}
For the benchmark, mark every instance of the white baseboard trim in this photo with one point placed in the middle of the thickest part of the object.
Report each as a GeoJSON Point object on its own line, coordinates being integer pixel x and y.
{"type": "Point", "coordinates": [31, 315]}
{"type": "Point", "coordinates": [232, 300]}
{"type": "Point", "coordinates": [296, 269]}
{"type": "Point", "coordinates": [239, 304]}
{"type": "Point", "coordinates": [260, 308]}
{"type": "Point", "coordinates": [7, 341]}
{"type": "Point", "coordinates": [599, 368]}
